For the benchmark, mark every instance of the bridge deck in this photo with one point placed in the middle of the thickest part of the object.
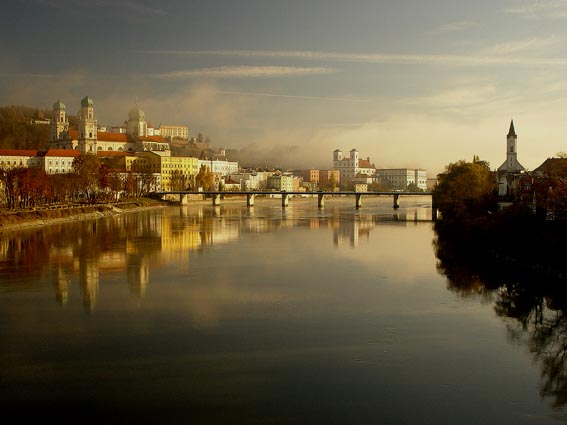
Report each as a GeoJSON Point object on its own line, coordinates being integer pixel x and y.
{"type": "Point", "coordinates": [283, 192]}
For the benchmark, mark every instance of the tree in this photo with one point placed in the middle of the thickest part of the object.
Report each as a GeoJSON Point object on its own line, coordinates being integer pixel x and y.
{"type": "Point", "coordinates": [412, 187]}
{"type": "Point", "coordinates": [87, 169]}
{"type": "Point", "coordinates": [465, 189]}
{"type": "Point", "coordinates": [204, 178]}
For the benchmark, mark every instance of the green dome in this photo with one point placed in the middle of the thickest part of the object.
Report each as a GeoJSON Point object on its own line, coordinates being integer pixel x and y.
{"type": "Point", "coordinates": [87, 101]}
{"type": "Point", "coordinates": [59, 105]}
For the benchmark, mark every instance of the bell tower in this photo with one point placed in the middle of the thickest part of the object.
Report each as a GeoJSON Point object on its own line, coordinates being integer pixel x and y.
{"type": "Point", "coordinates": [59, 124]}
{"type": "Point", "coordinates": [87, 127]}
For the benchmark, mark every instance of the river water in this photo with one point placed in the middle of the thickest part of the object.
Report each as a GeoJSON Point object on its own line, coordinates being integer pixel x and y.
{"type": "Point", "coordinates": [229, 315]}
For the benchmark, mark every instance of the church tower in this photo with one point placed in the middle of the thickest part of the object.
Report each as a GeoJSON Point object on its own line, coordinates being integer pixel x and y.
{"type": "Point", "coordinates": [87, 127]}
{"type": "Point", "coordinates": [511, 165]}
{"type": "Point", "coordinates": [59, 124]}
{"type": "Point", "coordinates": [136, 124]}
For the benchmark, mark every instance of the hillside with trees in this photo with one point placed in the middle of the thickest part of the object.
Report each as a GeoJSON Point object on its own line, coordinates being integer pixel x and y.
{"type": "Point", "coordinates": [18, 130]}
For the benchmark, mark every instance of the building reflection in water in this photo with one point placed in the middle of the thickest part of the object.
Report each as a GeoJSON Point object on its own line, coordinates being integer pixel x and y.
{"type": "Point", "coordinates": [133, 244]}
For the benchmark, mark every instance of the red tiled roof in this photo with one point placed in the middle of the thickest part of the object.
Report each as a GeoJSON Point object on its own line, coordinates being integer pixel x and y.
{"type": "Point", "coordinates": [103, 136]}
{"type": "Point", "coordinates": [62, 152]}
{"type": "Point", "coordinates": [112, 137]}
{"type": "Point", "coordinates": [363, 163]}
{"type": "Point", "coordinates": [18, 152]}
{"type": "Point", "coordinates": [158, 139]}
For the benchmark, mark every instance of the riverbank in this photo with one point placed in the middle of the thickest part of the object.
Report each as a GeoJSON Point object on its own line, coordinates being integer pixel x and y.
{"type": "Point", "coordinates": [25, 218]}
{"type": "Point", "coordinates": [513, 243]}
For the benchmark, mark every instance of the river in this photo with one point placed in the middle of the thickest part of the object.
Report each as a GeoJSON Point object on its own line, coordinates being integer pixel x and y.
{"type": "Point", "coordinates": [210, 315]}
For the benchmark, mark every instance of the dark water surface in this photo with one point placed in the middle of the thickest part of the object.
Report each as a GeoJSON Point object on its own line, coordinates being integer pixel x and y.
{"type": "Point", "coordinates": [227, 315]}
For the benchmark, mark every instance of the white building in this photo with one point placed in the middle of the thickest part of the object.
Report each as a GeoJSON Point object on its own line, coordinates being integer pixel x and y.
{"type": "Point", "coordinates": [53, 161]}
{"type": "Point", "coordinates": [220, 167]}
{"type": "Point", "coordinates": [132, 137]}
{"type": "Point", "coordinates": [351, 166]}
{"type": "Point", "coordinates": [14, 158]}
{"type": "Point", "coordinates": [58, 161]}
{"type": "Point", "coordinates": [251, 181]}
{"type": "Point", "coordinates": [401, 178]}
{"type": "Point", "coordinates": [281, 182]}
{"type": "Point", "coordinates": [174, 131]}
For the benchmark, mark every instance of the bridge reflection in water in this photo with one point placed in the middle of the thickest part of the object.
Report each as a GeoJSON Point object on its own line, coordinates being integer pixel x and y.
{"type": "Point", "coordinates": [285, 195]}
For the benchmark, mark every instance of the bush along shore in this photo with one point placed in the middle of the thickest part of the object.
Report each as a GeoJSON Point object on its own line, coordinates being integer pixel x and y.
{"type": "Point", "coordinates": [13, 220]}
{"type": "Point", "coordinates": [474, 230]}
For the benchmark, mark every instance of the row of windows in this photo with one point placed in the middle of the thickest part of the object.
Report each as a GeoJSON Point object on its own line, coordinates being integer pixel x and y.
{"type": "Point", "coordinates": [69, 162]}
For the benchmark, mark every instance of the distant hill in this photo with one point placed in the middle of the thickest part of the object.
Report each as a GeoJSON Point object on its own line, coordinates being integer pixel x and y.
{"type": "Point", "coordinates": [18, 130]}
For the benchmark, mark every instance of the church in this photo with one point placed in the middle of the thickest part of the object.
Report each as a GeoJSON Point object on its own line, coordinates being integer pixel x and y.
{"type": "Point", "coordinates": [510, 171]}
{"type": "Point", "coordinates": [89, 139]}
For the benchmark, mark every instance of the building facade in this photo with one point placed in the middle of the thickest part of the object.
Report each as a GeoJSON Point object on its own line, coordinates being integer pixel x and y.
{"type": "Point", "coordinates": [174, 131]}
{"type": "Point", "coordinates": [281, 183]}
{"type": "Point", "coordinates": [352, 165]}
{"type": "Point", "coordinates": [88, 138]}
{"type": "Point", "coordinates": [401, 178]}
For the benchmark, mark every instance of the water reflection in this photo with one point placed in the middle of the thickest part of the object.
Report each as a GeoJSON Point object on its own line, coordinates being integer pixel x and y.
{"type": "Point", "coordinates": [534, 308]}
{"type": "Point", "coordinates": [135, 243]}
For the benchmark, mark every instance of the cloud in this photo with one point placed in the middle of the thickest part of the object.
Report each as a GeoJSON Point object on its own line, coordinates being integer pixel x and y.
{"type": "Point", "coordinates": [245, 72]}
{"type": "Point", "coordinates": [541, 9]}
{"type": "Point", "coordinates": [533, 44]}
{"type": "Point", "coordinates": [455, 26]}
{"type": "Point", "coordinates": [373, 58]}
{"type": "Point", "coordinates": [290, 96]}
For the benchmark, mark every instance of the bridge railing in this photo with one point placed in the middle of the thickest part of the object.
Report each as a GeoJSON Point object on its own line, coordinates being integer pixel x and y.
{"type": "Point", "coordinates": [285, 195]}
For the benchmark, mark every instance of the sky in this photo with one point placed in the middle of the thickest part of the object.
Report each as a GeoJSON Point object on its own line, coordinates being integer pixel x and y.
{"type": "Point", "coordinates": [408, 83]}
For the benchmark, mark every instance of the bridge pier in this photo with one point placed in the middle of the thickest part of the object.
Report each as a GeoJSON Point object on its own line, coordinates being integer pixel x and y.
{"type": "Point", "coordinates": [250, 200]}
{"type": "Point", "coordinates": [321, 200]}
{"type": "Point", "coordinates": [396, 201]}
{"type": "Point", "coordinates": [183, 199]}
{"type": "Point", "coordinates": [358, 200]}
{"type": "Point", "coordinates": [285, 200]}
{"type": "Point", "coordinates": [216, 199]}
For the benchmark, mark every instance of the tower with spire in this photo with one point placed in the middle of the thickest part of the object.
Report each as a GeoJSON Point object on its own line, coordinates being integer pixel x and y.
{"type": "Point", "coordinates": [511, 165]}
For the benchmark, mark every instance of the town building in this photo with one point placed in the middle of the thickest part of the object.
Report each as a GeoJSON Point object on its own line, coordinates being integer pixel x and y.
{"type": "Point", "coordinates": [174, 131]}
{"type": "Point", "coordinates": [88, 138]}
{"type": "Point", "coordinates": [349, 167]}
{"type": "Point", "coordinates": [256, 180]}
{"type": "Point", "coordinates": [15, 158]}
{"type": "Point", "coordinates": [53, 161]}
{"type": "Point", "coordinates": [401, 178]}
{"type": "Point", "coordinates": [281, 183]}
{"type": "Point", "coordinates": [309, 176]}
{"type": "Point", "coordinates": [58, 161]}
{"type": "Point", "coordinates": [328, 176]}
{"type": "Point", "coordinates": [177, 172]}
{"type": "Point", "coordinates": [219, 166]}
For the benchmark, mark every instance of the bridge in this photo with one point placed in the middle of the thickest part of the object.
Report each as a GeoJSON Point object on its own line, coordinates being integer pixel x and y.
{"type": "Point", "coordinates": [250, 196]}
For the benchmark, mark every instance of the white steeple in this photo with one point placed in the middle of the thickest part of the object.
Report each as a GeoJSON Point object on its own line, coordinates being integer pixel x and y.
{"type": "Point", "coordinates": [511, 165]}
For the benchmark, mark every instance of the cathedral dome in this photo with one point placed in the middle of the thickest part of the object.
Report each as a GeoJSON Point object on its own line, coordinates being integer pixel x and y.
{"type": "Point", "coordinates": [87, 101]}
{"type": "Point", "coordinates": [136, 114]}
{"type": "Point", "coordinates": [59, 105]}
